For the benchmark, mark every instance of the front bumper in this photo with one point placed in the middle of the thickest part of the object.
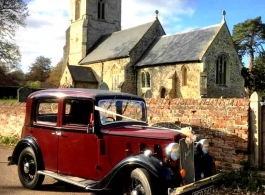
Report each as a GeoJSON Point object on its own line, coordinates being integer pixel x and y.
{"type": "Point", "coordinates": [193, 186]}
{"type": "Point", "coordinates": [9, 160]}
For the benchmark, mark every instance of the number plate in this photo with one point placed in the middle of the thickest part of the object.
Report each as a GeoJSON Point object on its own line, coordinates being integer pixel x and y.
{"type": "Point", "coordinates": [205, 191]}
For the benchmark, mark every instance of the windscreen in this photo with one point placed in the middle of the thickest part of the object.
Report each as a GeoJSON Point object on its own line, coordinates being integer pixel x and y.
{"type": "Point", "coordinates": [119, 110]}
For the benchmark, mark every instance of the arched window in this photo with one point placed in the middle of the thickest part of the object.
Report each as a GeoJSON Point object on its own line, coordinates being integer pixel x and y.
{"type": "Point", "coordinates": [146, 79]}
{"type": "Point", "coordinates": [115, 72]}
{"type": "Point", "coordinates": [184, 76]}
{"type": "Point", "coordinates": [77, 9]}
{"type": "Point", "coordinates": [143, 79]}
{"type": "Point", "coordinates": [163, 93]}
{"type": "Point", "coordinates": [101, 9]}
{"type": "Point", "coordinates": [221, 70]}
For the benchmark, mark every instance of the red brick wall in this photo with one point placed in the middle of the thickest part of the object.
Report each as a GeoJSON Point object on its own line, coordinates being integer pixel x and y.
{"type": "Point", "coordinates": [223, 121]}
{"type": "Point", "coordinates": [12, 117]}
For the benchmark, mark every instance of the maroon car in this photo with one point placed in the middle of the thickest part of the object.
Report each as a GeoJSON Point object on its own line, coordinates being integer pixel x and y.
{"type": "Point", "coordinates": [100, 140]}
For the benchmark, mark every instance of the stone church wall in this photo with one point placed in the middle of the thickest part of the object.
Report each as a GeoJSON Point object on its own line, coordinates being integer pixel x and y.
{"type": "Point", "coordinates": [105, 71]}
{"type": "Point", "coordinates": [223, 44]}
{"type": "Point", "coordinates": [66, 79]}
{"type": "Point", "coordinates": [170, 78]}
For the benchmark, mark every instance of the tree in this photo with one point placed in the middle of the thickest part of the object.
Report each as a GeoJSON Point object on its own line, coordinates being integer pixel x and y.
{"type": "Point", "coordinates": [248, 38]}
{"type": "Point", "coordinates": [55, 74]}
{"type": "Point", "coordinates": [255, 79]}
{"type": "Point", "coordinates": [40, 69]}
{"type": "Point", "coordinates": [258, 74]}
{"type": "Point", "coordinates": [12, 16]}
{"type": "Point", "coordinates": [17, 75]}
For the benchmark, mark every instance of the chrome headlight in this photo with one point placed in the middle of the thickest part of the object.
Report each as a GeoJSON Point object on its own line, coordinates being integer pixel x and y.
{"type": "Point", "coordinates": [204, 144]}
{"type": "Point", "coordinates": [173, 151]}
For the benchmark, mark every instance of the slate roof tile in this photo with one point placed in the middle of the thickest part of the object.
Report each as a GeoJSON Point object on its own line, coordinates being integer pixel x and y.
{"type": "Point", "coordinates": [180, 47]}
{"type": "Point", "coordinates": [82, 74]}
{"type": "Point", "coordinates": [117, 44]}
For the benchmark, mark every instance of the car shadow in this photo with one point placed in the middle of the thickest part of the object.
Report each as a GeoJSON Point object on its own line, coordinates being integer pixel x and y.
{"type": "Point", "coordinates": [59, 186]}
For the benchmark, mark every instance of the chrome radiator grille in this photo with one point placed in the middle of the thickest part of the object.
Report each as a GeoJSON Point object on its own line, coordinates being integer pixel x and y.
{"type": "Point", "coordinates": [187, 161]}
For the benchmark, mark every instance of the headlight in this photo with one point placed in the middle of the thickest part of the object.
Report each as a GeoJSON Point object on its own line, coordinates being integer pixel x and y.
{"type": "Point", "coordinates": [173, 151]}
{"type": "Point", "coordinates": [204, 144]}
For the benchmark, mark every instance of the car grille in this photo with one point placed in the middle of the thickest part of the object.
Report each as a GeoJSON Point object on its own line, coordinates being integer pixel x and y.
{"type": "Point", "coordinates": [187, 161]}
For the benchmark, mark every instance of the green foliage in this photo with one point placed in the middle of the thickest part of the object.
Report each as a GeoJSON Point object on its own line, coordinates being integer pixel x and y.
{"type": "Point", "coordinates": [12, 140]}
{"type": "Point", "coordinates": [255, 79]}
{"type": "Point", "coordinates": [55, 74]}
{"type": "Point", "coordinates": [249, 37]}
{"type": "Point", "coordinates": [245, 178]}
{"type": "Point", "coordinates": [40, 69]}
{"type": "Point", "coordinates": [33, 84]}
{"type": "Point", "coordinates": [12, 16]}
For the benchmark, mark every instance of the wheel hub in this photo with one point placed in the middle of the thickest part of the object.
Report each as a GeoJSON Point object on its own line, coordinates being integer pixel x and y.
{"type": "Point", "coordinates": [26, 167]}
{"type": "Point", "coordinates": [134, 192]}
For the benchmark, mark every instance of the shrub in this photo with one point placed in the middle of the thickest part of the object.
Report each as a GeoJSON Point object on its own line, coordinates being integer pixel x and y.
{"type": "Point", "coordinates": [12, 140]}
{"type": "Point", "coordinates": [245, 178]}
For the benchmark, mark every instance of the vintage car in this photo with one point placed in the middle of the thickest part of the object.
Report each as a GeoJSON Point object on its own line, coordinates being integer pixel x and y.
{"type": "Point", "coordinates": [100, 140]}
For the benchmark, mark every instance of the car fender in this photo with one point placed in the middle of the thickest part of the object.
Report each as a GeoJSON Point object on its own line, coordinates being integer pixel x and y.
{"type": "Point", "coordinates": [28, 141]}
{"type": "Point", "coordinates": [151, 164]}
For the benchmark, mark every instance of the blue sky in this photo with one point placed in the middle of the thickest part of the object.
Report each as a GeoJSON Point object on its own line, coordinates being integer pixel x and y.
{"type": "Point", "coordinates": [46, 25]}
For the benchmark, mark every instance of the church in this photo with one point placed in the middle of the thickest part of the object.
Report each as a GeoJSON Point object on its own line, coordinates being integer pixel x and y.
{"type": "Point", "coordinates": [143, 60]}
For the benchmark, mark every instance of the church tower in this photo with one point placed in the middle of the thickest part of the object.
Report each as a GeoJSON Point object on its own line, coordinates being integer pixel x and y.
{"type": "Point", "coordinates": [90, 19]}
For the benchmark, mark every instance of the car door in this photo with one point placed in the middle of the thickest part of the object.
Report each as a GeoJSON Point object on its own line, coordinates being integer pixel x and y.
{"type": "Point", "coordinates": [77, 152]}
{"type": "Point", "coordinates": [44, 129]}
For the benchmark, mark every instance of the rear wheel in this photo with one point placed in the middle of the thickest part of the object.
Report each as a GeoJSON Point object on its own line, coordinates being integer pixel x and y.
{"type": "Point", "coordinates": [27, 169]}
{"type": "Point", "coordinates": [140, 183]}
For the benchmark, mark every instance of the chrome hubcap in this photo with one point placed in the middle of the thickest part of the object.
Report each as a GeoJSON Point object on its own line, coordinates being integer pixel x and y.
{"type": "Point", "coordinates": [134, 192]}
{"type": "Point", "coordinates": [136, 187]}
{"type": "Point", "coordinates": [26, 167]}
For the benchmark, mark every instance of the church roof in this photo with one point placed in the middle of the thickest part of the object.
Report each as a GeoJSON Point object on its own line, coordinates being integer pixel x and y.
{"type": "Point", "coordinates": [116, 45]}
{"type": "Point", "coordinates": [82, 74]}
{"type": "Point", "coordinates": [181, 47]}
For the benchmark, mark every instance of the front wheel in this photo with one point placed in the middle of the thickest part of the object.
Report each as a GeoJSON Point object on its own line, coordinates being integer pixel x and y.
{"type": "Point", "coordinates": [27, 169]}
{"type": "Point", "coordinates": [140, 183]}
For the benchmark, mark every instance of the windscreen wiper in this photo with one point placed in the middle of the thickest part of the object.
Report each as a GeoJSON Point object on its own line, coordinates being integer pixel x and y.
{"type": "Point", "coordinates": [126, 105]}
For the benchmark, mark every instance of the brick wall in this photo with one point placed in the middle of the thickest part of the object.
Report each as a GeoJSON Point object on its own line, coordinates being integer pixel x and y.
{"type": "Point", "coordinates": [12, 117]}
{"type": "Point", "coordinates": [223, 121]}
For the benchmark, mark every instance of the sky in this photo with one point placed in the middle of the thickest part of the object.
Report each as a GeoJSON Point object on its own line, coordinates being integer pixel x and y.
{"type": "Point", "coordinates": [44, 34]}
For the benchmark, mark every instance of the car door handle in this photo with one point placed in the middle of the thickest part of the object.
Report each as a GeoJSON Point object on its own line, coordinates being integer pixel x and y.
{"type": "Point", "coordinates": [58, 133]}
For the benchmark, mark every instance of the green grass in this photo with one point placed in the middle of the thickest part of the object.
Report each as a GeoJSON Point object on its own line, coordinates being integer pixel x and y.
{"type": "Point", "coordinates": [11, 141]}
{"type": "Point", "coordinates": [8, 100]}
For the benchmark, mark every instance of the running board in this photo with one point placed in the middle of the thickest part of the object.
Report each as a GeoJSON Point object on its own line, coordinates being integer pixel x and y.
{"type": "Point", "coordinates": [77, 181]}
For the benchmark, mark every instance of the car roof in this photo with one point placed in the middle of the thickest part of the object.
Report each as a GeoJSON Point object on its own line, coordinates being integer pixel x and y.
{"type": "Point", "coordinates": [80, 92]}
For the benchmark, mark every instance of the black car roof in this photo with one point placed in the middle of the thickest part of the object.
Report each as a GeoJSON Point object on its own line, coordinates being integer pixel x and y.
{"type": "Point", "coordinates": [81, 92]}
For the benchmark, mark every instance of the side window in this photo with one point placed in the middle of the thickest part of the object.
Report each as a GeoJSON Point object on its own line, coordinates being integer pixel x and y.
{"type": "Point", "coordinates": [78, 112]}
{"type": "Point", "coordinates": [47, 111]}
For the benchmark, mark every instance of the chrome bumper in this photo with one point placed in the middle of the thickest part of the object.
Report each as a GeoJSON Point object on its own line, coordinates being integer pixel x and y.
{"type": "Point", "coordinates": [193, 186]}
